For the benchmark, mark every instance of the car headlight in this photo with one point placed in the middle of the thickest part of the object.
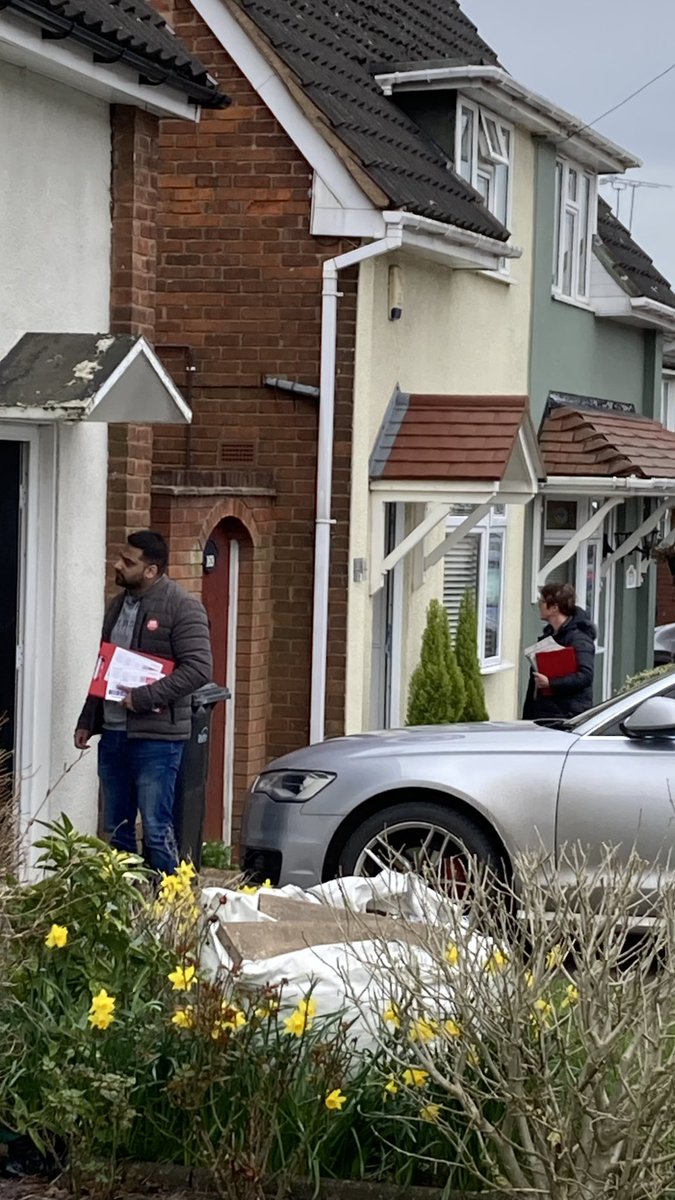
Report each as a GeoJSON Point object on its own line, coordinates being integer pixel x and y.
{"type": "Point", "coordinates": [292, 787]}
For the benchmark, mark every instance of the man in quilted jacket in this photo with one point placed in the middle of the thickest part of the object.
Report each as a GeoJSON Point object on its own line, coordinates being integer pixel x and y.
{"type": "Point", "coordinates": [143, 738]}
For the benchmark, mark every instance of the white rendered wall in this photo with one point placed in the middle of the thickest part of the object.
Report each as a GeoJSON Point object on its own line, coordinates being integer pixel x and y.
{"type": "Point", "coordinates": [55, 276]}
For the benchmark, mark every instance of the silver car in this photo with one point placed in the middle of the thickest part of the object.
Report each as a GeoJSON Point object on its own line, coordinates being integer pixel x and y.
{"type": "Point", "coordinates": [355, 805]}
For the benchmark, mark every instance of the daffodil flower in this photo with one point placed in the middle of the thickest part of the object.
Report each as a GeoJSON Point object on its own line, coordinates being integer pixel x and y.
{"type": "Point", "coordinates": [101, 1012]}
{"type": "Point", "coordinates": [183, 978]}
{"type": "Point", "coordinates": [424, 1030]}
{"type": "Point", "coordinates": [431, 1113]}
{"type": "Point", "coordinates": [184, 1017]}
{"type": "Point", "coordinates": [554, 957]}
{"type": "Point", "coordinates": [571, 996]}
{"type": "Point", "coordinates": [414, 1077]}
{"type": "Point", "coordinates": [391, 1086]}
{"type": "Point", "coordinates": [497, 961]}
{"type": "Point", "coordinates": [544, 1012]}
{"type": "Point", "coordinates": [452, 954]}
{"type": "Point", "coordinates": [392, 1015]}
{"type": "Point", "coordinates": [335, 1100]}
{"type": "Point", "coordinates": [452, 1029]}
{"type": "Point", "coordinates": [57, 937]}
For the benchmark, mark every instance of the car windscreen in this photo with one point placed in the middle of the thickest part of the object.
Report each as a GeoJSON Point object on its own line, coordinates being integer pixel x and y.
{"type": "Point", "coordinates": [575, 722]}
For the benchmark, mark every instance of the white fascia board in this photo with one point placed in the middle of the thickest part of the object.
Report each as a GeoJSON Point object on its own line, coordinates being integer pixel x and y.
{"type": "Point", "coordinates": [72, 65]}
{"type": "Point", "coordinates": [525, 107]}
{"type": "Point", "coordinates": [636, 310]}
{"type": "Point", "coordinates": [276, 96]}
{"type": "Point", "coordinates": [331, 219]}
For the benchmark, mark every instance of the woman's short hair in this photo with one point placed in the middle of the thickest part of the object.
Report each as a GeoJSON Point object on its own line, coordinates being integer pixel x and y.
{"type": "Point", "coordinates": [561, 596]}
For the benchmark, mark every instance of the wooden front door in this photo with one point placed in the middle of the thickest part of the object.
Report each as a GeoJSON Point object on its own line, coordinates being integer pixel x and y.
{"type": "Point", "coordinates": [216, 597]}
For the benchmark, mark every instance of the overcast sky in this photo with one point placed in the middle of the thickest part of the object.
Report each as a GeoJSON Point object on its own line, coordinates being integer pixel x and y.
{"type": "Point", "coordinates": [584, 55]}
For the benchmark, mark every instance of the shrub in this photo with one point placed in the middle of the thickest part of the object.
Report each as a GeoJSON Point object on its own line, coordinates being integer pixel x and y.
{"type": "Point", "coordinates": [649, 675]}
{"type": "Point", "coordinates": [466, 649]}
{"type": "Point", "coordinates": [437, 693]}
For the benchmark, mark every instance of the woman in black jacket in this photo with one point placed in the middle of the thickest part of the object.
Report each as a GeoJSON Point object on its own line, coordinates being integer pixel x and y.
{"type": "Point", "coordinates": [568, 625]}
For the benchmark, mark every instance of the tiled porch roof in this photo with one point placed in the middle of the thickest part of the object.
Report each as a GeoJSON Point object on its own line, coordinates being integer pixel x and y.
{"type": "Point", "coordinates": [438, 438]}
{"type": "Point", "coordinates": [576, 441]}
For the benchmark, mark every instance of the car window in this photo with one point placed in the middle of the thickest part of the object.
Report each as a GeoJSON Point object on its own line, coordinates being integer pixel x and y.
{"type": "Point", "coordinates": [613, 729]}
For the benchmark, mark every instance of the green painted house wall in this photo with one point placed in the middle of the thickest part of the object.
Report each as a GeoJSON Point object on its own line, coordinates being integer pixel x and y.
{"type": "Point", "coordinates": [573, 351]}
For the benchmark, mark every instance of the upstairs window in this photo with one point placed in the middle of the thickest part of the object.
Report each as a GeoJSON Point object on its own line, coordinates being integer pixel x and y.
{"type": "Point", "coordinates": [575, 215]}
{"type": "Point", "coordinates": [484, 156]}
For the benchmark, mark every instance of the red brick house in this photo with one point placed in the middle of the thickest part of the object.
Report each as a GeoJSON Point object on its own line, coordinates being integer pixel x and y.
{"type": "Point", "coordinates": [247, 220]}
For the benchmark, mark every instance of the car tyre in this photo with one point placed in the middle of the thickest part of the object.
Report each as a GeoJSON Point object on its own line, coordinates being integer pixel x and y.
{"type": "Point", "coordinates": [468, 833]}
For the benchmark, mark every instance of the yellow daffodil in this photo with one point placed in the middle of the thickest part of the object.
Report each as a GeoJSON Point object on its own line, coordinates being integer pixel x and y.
{"type": "Point", "coordinates": [307, 1007]}
{"type": "Point", "coordinates": [101, 1013]}
{"type": "Point", "coordinates": [391, 1086]}
{"type": "Point", "coordinates": [184, 1018]}
{"type": "Point", "coordinates": [554, 958]}
{"type": "Point", "coordinates": [185, 872]}
{"type": "Point", "coordinates": [57, 937]}
{"type": "Point", "coordinates": [335, 1100]}
{"type": "Point", "coordinates": [392, 1015]}
{"type": "Point", "coordinates": [473, 1057]}
{"type": "Point", "coordinates": [544, 1012]}
{"type": "Point", "coordinates": [268, 884]}
{"type": "Point", "coordinates": [529, 980]}
{"type": "Point", "coordinates": [431, 1113]}
{"type": "Point", "coordinates": [571, 996]}
{"type": "Point", "coordinates": [298, 1023]}
{"type": "Point", "coordinates": [233, 1018]}
{"type": "Point", "coordinates": [452, 1029]}
{"type": "Point", "coordinates": [183, 978]}
{"type": "Point", "coordinates": [497, 961]}
{"type": "Point", "coordinates": [248, 889]}
{"type": "Point", "coordinates": [267, 1010]}
{"type": "Point", "coordinates": [414, 1077]}
{"type": "Point", "coordinates": [452, 954]}
{"type": "Point", "coordinates": [424, 1030]}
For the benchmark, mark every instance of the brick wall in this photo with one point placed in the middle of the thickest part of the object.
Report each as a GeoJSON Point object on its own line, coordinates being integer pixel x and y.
{"type": "Point", "coordinates": [665, 596]}
{"type": "Point", "coordinates": [239, 282]}
{"type": "Point", "coordinates": [132, 306]}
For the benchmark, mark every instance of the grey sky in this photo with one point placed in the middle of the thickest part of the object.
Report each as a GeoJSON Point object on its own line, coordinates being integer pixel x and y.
{"type": "Point", "coordinates": [584, 55]}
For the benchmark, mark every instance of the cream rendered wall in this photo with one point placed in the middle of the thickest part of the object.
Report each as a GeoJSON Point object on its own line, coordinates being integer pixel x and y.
{"type": "Point", "coordinates": [461, 332]}
{"type": "Point", "coordinates": [55, 272]}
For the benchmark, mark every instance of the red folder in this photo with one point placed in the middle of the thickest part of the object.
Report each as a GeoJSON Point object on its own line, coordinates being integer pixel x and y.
{"type": "Point", "coordinates": [98, 684]}
{"type": "Point", "coordinates": [556, 664]}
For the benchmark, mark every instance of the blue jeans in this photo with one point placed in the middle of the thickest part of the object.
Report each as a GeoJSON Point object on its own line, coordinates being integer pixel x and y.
{"type": "Point", "coordinates": [139, 775]}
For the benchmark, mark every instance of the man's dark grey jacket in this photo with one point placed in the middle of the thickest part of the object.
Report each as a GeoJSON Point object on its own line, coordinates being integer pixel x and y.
{"type": "Point", "coordinates": [170, 624]}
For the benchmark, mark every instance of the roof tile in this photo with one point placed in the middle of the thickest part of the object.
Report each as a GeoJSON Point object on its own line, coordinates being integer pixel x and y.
{"type": "Point", "coordinates": [606, 443]}
{"type": "Point", "coordinates": [631, 263]}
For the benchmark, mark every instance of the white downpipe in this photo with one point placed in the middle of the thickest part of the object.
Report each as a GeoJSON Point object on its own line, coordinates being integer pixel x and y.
{"type": "Point", "coordinates": [324, 467]}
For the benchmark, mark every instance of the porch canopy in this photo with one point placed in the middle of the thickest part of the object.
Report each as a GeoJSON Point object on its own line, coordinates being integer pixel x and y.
{"type": "Point", "coordinates": [608, 451]}
{"type": "Point", "coordinates": [441, 451]}
{"type": "Point", "coordinates": [112, 378]}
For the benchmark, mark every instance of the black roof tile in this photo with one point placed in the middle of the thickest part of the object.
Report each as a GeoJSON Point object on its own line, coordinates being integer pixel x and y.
{"type": "Point", "coordinates": [334, 48]}
{"type": "Point", "coordinates": [131, 31]}
{"type": "Point", "coordinates": [629, 261]}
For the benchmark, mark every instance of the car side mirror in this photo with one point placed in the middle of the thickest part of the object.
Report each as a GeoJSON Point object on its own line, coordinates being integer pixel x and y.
{"type": "Point", "coordinates": [654, 718]}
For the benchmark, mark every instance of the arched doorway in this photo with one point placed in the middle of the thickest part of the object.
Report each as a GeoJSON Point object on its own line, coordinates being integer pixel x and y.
{"type": "Point", "coordinates": [220, 594]}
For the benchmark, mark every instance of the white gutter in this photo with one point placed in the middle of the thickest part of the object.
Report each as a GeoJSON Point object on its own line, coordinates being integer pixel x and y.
{"type": "Point", "coordinates": [605, 485]}
{"type": "Point", "coordinates": [538, 113]}
{"type": "Point", "coordinates": [453, 234]}
{"type": "Point", "coordinates": [324, 465]}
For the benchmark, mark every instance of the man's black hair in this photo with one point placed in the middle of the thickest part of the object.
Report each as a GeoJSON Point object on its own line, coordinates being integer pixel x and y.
{"type": "Point", "coordinates": [153, 547]}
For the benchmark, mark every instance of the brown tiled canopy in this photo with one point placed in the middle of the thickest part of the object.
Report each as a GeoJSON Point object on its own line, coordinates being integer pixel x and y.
{"type": "Point", "coordinates": [448, 437]}
{"type": "Point", "coordinates": [575, 441]}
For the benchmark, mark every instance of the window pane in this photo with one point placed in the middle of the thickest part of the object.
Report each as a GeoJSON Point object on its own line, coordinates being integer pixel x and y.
{"type": "Point", "coordinates": [572, 184]}
{"type": "Point", "coordinates": [569, 233]}
{"type": "Point", "coordinates": [466, 151]}
{"type": "Point", "coordinates": [484, 186]}
{"type": "Point", "coordinates": [591, 576]}
{"type": "Point", "coordinates": [501, 193]}
{"type": "Point", "coordinates": [556, 226]}
{"type": "Point", "coordinates": [493, 591]}
{"type": "Point", "coordinates": [564, 573]}
{"type": "Point", "coordinates": [561, 514]}
{"type": "Point", "coordinates": [584, 213]}
{"type": "Point", "coordinates": [461, 574]}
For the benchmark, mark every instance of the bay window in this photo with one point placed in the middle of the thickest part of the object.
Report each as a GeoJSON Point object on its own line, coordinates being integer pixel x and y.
{"type": "Point", "coordinates": [476, 564]}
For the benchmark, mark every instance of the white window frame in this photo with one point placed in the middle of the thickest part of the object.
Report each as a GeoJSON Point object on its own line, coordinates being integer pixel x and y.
{"type": "Point", "coordinates": [568, 206]}
{"type": "Point", "coordinates": [499, 137]}
{"type": "Point", "coordinates": [558, 537]}
{"type": "Point", "coordinates": [495, 522]}
{"type": "Point", "coordinates": [668, 400]}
